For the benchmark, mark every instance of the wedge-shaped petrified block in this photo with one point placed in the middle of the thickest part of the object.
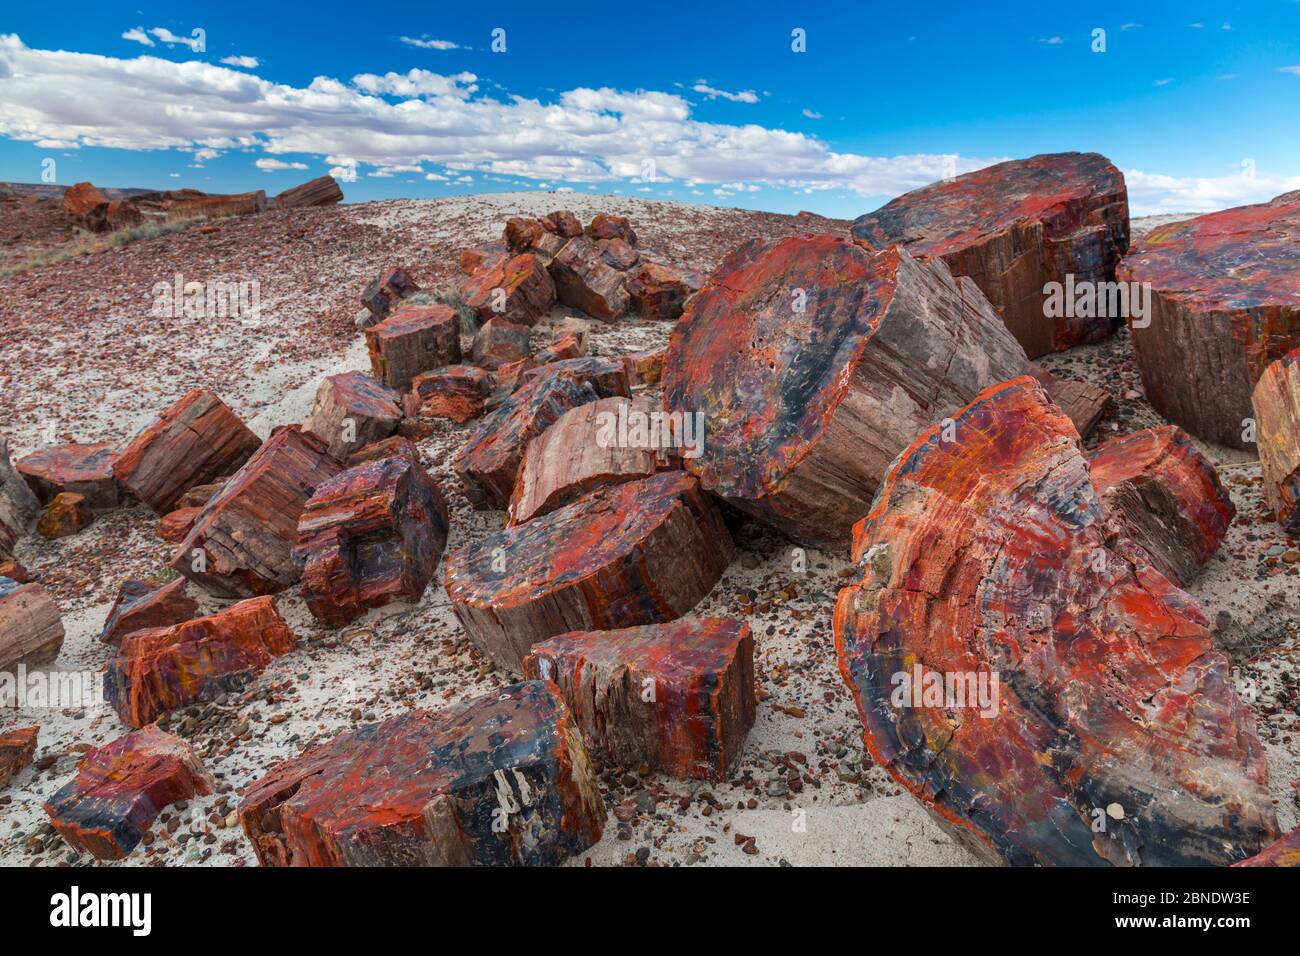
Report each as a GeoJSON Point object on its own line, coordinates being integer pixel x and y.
{"type": "Point", "coordinates": [813, 363]}
{"type": "Point", "coordinates": [502, 779]}
{"type": "Point", "coordinates": [385, 292]}
{"type": "Point", "coordinates": [608, 376]}
{"type": "Point", "coordinates": [479, 258]}
{"type": "Point", "coordinates": [351, 411]}
{"type": "Point", "coordinates": [1014, 228]}
{"type": "Point", "coordinates": [1225, 302]}
{"type": "Point", "coordinates": [370, 535]}
{"type": "Point", "coordinates": [567, 345]}
{"type": "Point", "coordinates": [582, 450]}
{"type": "Point", "coordinates": [19, 506]}
{"type": "Point", "coordinates": [642, 552]}
{"type": "Point", "coordinates": [518, 291]}
{"type": "Point", "coordinates": [499, 343]}
{"type": "Point", "coordinates": [658, 292]}
{"type": "Point", "coordinates": [321, 191]}
{"type": "Point", "coordinates": [85, 470]}
{"type": "Point", "coordinates": [1082, 403]}
{"type": "Point", "coordinates": [17, 748]}
{"type": "Point", "coordinates": [1285, 852]}
{"type": "Point", "coordinates": [193, 442]}
{"type": "Point", "coordinates": [457, 392]}
{"type": "Point", "coordinates": [1025, 679]}
{"type": "Point", "coordinates": [584, 280]}
{"type": "Point", "coordinates": [66, 514]}
{"type": "Point", "coordinates": [175, 525]}
{"type": "Point", "coordinates": [676, 697]}
{"type": "Point", "coordinates": [140, 605]}
{"type": "Point", "coordinates": [414, 339]}
{"type": "Point", "coordinates": [488, 463]}
{"type": "Point", "coordinates": [163, 668]}
{"type": "Point", "coordinates": [120, 789]}
{"type": "Point", "coordinates": [31, 628]}
{"type": "Point", "coordinates": [242, 543]}
{"type": "Point", "coordinates": [1163, 494]}
{"type": "Point", "coordinates": [1276, 401]}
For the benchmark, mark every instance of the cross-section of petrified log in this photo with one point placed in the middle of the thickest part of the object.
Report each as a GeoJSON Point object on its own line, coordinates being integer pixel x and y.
{"type": "Point", "coordinates": [580, 451]}
{"type": "Point", "coordinates": [813, 363]}
{"type": "Point", "coordinates": [66, 514]}
{"type": "Point", "coordinates": [414, 339]}
{"type": "Point", "coordinates": [488, 462]}
{"type": "Point", "coordinates": [658, 292]}
{"type": "Point", "coordinates": [194, 441]}
{"type": "Point", "coordinates": [518, 290]}
{"type": "Point", "coordinates": [502, 779]}
{"type": "Point", "coordinates": [1082, 403]}
{"type": "Point", "coordinates": [499, 343]}
{"type": "Point", "coordinates": [121, 788]}
{"type": "Point", "coordinates": [19, 506]}
{"type": "Point", "coordinates": [1276, 401]}
{"type": "Point", "coordinates": [1225, 302]}
{"type": "Point", "coordinates": [351, 411]}
{"type": "Point", "coordinates": [676, 697]}
{"type": "Point", "coordinates": [242, 543]}
{"type": "Point", "coordinates": [457, 392]}
{"type": "Point", "coordinates": [1285, 852]}
{"type": "Point", "coordinates": [83, 469]}
{"type": "Point", "coordinates": [17, 748]}
{"type": "Point", "coordinates": [160, 669]}
{"type": "Point", "coordinates": [1014, 228]}
{"type": "Point", "coordinates": [368, 536]}
{"type": "Point", "coordinates": [642, 552]}
{"type": "Point", "coordinates": [140, 605]}
{"type": "Point", "coordinates": [608, 376]}
{"type": "Point", "coordinates": [31, 629]}
{"type": "Point", "coordinates": [584, 280]}
{"type": "Point", "coordinates": [1051, 695]}
{"type": "Point", "coordinates": [1163, 494]}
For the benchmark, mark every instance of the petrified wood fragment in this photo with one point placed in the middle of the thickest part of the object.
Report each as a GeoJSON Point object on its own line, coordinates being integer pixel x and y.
{"type": "Point", "coordinates": [1225, 291]}
{"type": "Point", "coordinates": [160, 669]}
{"type": "Point", "coordinates": [83, 469]}
{"type": "Point", "coordinates": [398, 445]}
{"type": "Point", "coordinates": [1052, 696]}
{"type": "Point", "coordinates": [175, 525]}
{"type": "Point", "coordinates": [814, 362]}
{"type": "Point", "coordinates": [608, 376]}
{"type": "Point", "coordinates": [1014, 228]}
{"type": "Point", "coordinates": [483, 257]}
{"type": "Point", "coordinates": [19, 506]}
{"type": "Point", "coordinates": [1285, 852]}
{"type": "Point", "coordinates": [13, 569]}
{"type": "Point", "coordinates": [121, 788]}
{"type": "Point", "coordinates": [567, 345]}
{"type": "Point", "coordinates": [457, 392]}
{"type": "Point", "coordinates": [1163, 494]}
{"type": "Point", "coordinates": [585, 281]}
{"type": "Point", "coordinates": [204, 206]}
{"type": "Point", "coordinates": [242, 543]}
{"type": "Point", "coordinates": [385, 292]}
{"type": "Point", "coordinates": [1276, 401]}
{"type": "Point", "coordinates": [676, 697]}
{"type": "Point", "coordinates": [67, 514]}
{"type": "Point", "coordinates": [608, 226]}
{"type": "Point", "coordinates": [414, 339]}
{"type": "Point", "coordinates": [641, 552]}
{"type": "Point", "coordinates": [499, 342]}
{"type": "Point", "coordinates": [518, 290]}
{"type": "Point", "coordinates": [31, 629]}
{"type": "Point", "coordinates": [502, 779]}
{"type": "Point", "coordinates": [140, 605]}
{"type": "Point", "coordinates": [194, 441]}
{"type": "Point", "coordinates": [644, 368]}
{"type": "Point", "coordinates": [321, 191]}
{"type": "Point", "coordinates": [1082, 403]}
{"type": "Point", "coordinates": [658, 292]}
{"type": "Point", "coordinates": [520, 233]}
{"type": "Point", "coordinates": [200, 495]}
{"type": "Point", "coordinates": [618, 254]}
{"type": "Point", "coordinates": [565, 223]}
{"type": "Point", "coordinates": [96, 211]}
{"type": "Point", "coordinates": [351, 411]}
{"type": "Point", "coordinates": [17, 748]}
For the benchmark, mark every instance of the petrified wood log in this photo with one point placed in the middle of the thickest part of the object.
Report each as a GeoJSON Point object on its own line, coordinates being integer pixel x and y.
{"type": "Point", "coordinates": [457, 392]}
{"type": "Point", "coordinates": [19, 506]}
{"type": "Point", "coordinates": [31, 629]}
{"type": "Point", "coordinates": [608, 376]}
{"type": "Point", "coordinates": [194, 441]}
{"type": "Point", "coordinates": [499, 342]}
{"type": "Point", "coordinates": [200, 495]}
{"type": "Point", "coordinates": [1225, 302]}
{"type": "Point", "coordinates": [67, 514]}
{"type": "Point", "coordinates": [1163, 494]}
{"type": "Point", "coordinates": [121, 788]}
{"type": "Point", "coordinates": [206, 206]}
{"type": "Point", "coordinates": [140, 606]}
{"type": "Point", "coordinates": [160, 669]}
{"type": "Point", "coordinates": [488, 462]}
{"type": "Point", "coordinates": [1113, 733]}
{"type": "Point", "coordinates": [502, 779]}
{"type": "Point", "coordinates": [1082, 403]}
{"type": "Point", "coordinates": [521, 233]}
{"type": "Point", "coordinates": [17, 748]}
{"type": "Point", "coordinates": [12, 569]}
{"type": "Point", "coordinates": [413, 339]}
{"type": "Point", "coordinates": [565, 223]}
{"type": "Point", "coordinates": [580, 451]}
{"type": "Point", "coordinates": [385, 291]}
{"type": "Point", "coordinates": [813, 363]}
{"type": "Point", "coordinates": [96, 211]}
{"type": "Point", "coordinates": [658, 292]}
{"type": "Point", "coordinates": [642, 552]}
{"type": "Point", "coordinates": [1014, 228]}
{"type": "Point", "coordinates": [351, 411]}
{"type": "Point", "coordinates": [368, 536]}
{"type": "Point", "coordinates": [1276, 401]}
{"type": "Point", "coordinates": [242, 543]}
{"type": "Point", "coordinates": [608, 226]}
{"type": "Point", "coordinates": [321, 191]}
{"type": "Point", "coordinates": [175, 525]}
{"type": "Point", "coordinates": [82, 199]}
{"type": "Point", "coordinates": [567, 345]}
{"type": "Point", "coordinates": [83, 469]}
{"type": "Point", "coordinates": [479, 258]}
{"type": "Point", "coordinates": [617, 254]}
{"type": "Point", "coordinates": [518, 290]}
{"type": "Point", "coordinates": [394, 445]}
{"type": "Point", "coordinates": [585, 281]}
{"type": "Point", "coordinates": [1285, 852]}
{"type": "Point", "coordinates": [675, 697]}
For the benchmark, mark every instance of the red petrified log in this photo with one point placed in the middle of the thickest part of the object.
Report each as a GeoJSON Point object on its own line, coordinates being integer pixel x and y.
{"type": "Point", "coordinates": [608, 376]}
{"type": "Point", "coordinates": [1051, 695]}
{"type": "Point", "coordinates": [813, 362]}
{"type": "Point", "coordinates": [641, 552]}
{"type": "Point", "coordinates": [394, 445]}
{"type": "Point", "coordinates": [140, 605]}
{"type": "Point", "coordinates": [1160, 492]}
{"type": "Point", "coordinates": [1276, 401]}
{"type": "Point", "coordinates": [96, 211]}
{"type": "Point", "coordinates": [585, 281]}
{"type": "Point", "coordinates": [566, 223]}
{"type": "Point", "coordinates": [520, 234]}
{"type": "Point", "coordinates": [175, 525]}
{"type": "Point", "coordinates": [499, 342]}
{"type": "Point", "coordinates": [456, 392]}
{"type": "Point", "coordinates": [242, 543]}
{"type": "Point", "coordinates": [502, 779]}
{"type": "Point", "coordinates": [488, 462]}
{"type": "Point", "coordinates": [1285, 852]}
{"type": "Point", "coordinates": [658, 292]}
{"type": "Point", "coordinates": [67, 514]}
{"type": "Point", "coordinates": [321, 191]}
{"type": "Point", "coordinates": [160, 669]}
{"type": "Point", "coordinates": [617, 254]}
{"type": "Point", "coordinates": [385, 292]}
{"type": "Point", "coordinates": [413, 339]}
{"type": "Point", "coordinates": [83, 469]}
{"type": "Point", "coordinates": [19, 506]}
{"type": "Point", "coordinates": [1082, 403]}
{"type": "Point", "coordinates": [194, 441]}
{"type": "Point", "coordinates": [370, 535]}
{"type": "Point", "coordinates": [518, 290]}
{"type": "Point", "coordinates": [566, 345]}
{"type": "Point", "coordinates": [17, 748]}
{"type": "Point", "coordinates": [351, 411]}
{"type": "Point", "coordinates": [483, 257]}
{"type": "Point", "coordinates": [1225, 302]}
{"type": "Point", "coordinates": [675, 697]}
{"type": "Point", "coordinates": [120, 789]}
{"type": "Point", "coordinates": [31, 630]}
{"type": "Point", "coordinates": [580, 451]}
{"type": "Point", "coordinates": [608, 226]}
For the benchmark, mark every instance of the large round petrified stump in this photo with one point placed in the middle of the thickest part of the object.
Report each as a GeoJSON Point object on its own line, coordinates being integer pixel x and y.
{"type": "Point", "coordinates": [813, 363]}
{"type": "Point", "coordinates": [1055, 699]}
{"type": "Point", "coordinates": [637, 553]}
{"type": "Point", "coordinates": [1225, 302]}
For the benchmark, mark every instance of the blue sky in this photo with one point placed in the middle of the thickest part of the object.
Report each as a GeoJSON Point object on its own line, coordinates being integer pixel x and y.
{"type": "Point", "coordinates": [1198, 103]}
